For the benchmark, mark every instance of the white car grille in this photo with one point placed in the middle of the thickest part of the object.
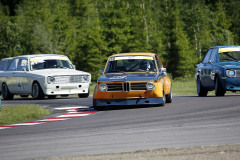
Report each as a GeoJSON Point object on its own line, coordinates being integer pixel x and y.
{"type": "Point", "coordinates": [68, 79]}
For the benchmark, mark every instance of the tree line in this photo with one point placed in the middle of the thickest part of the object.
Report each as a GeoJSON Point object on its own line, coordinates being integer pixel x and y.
{"type": "Point", "coordinates": [89, 31]}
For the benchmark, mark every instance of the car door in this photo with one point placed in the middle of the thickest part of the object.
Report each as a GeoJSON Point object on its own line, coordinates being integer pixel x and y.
{"type": "Point", "coordinates": [207, 70]}
{"type": "Point", "coordinates": [22, 75]}
{"type": "Point", "coordinates": [11, 79]}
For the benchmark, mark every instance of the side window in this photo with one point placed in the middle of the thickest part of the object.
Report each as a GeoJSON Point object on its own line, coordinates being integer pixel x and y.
{"type": "Point", "coordinates": [207, 56]}
{"type": "Point", "coordinates": [22, 65]}
{"type": "Point", "coordinates": [3, 65]}
{"type": "Point", "coordinates": [213, 57]}
{"type": "Point", "coordinates": [13, 65]}
{"type": "Point", "coordinates": [159, 66]}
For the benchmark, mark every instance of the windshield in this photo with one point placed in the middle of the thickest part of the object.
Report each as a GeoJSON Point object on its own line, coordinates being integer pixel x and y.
{"type": "Point", "coordinates": [38, 64]}
{"type": "Point", "coordinates": [131, 64]}
{"type": "Point", "coordinates": [230, 56]}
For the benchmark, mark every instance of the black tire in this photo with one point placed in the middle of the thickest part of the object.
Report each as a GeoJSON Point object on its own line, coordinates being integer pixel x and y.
{"type": "Point", "coordinates": [169, 97]}
{"type": "Point", "coordinates": [52, 96]}
{"type": "Point", "coordinates": [219, 90]}
{"type": "Point", "coordinates": [6, 95]}
{"type": "Point", "coordinates": [164, 99]}
{"type": "Point", "coordinates": [37, 92]}
{"type": "Point", "coordinates": [84, 95]}
{"type": "Point", "coordinates": [97, 108]}
{"type": "Point", "coordinates": [201, 91]}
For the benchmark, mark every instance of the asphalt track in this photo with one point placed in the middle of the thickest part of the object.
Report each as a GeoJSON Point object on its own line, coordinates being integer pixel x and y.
{"type": "Point", "coordinates": [188, 121]}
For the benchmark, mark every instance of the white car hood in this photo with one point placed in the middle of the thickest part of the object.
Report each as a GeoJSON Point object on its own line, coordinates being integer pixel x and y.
{"type": "Point", "coordinates": [57, 72]}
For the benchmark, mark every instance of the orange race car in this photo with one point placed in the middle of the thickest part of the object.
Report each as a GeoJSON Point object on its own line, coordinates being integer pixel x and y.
{"type": "Point", "coordinates": [132, 79]}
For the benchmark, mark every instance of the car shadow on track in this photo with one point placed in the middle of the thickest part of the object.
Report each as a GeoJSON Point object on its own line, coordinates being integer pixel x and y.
{"type": "Point", "coordinates": [111, 108]}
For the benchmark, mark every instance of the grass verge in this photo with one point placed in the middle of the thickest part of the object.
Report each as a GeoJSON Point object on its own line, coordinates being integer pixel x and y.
{"type": "Point", "coordinates": [9, 115]}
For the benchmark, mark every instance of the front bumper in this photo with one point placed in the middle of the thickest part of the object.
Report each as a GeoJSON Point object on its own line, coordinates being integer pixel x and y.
{"type": "Point", "coordinates": [128, 102]}
{"type": "Point", "coordinates": [231, 84]}
{"type": "Point", "coordinates": [61, 89]}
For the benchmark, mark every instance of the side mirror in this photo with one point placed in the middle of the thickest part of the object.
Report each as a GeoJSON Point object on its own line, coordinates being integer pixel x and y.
{"type": "Point", "coordinates": [164, 70]}
{"type": "Point", "coordinates": [101, 70]}
{"type": "Point", "coordinates": [24, 69]}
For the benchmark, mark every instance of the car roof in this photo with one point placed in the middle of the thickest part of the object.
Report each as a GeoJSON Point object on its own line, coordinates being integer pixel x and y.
{"type": "Point", "coordinates": [40, 55]}
{"type": "Point", "coordinates": [224, 46]}
{"type": "Point", "coordinates": [9, 58]}
{"type": "Point", "coordinates": [134, 53]}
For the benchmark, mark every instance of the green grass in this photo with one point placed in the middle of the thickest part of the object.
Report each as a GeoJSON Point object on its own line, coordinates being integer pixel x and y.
{"type": "Point", "coordinates": [184, 86]}
{"type": "Point", "coordinates": [9, 115]}
{"type": "Point", "coordinates": [92, 86]}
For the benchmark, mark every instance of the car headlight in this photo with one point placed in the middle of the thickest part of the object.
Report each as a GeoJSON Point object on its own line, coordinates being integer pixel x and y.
{"type": "Point", "coordinates": [50, 79]}
{"type": "Point", "coordinates": [86, 78]}
{"type": "Point", "coordinates": [150, 86]}
{"type": "Point", "coordinates": [230, 73]}
{"type": "Point", "coordinates": [103, 87]}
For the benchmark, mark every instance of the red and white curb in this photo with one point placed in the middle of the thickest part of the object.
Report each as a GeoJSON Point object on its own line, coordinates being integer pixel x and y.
{"type": "Point", "coordinates": [72, 112]}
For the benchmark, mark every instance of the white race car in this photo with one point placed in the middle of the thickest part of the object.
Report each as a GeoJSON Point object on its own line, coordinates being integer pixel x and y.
{"type": "Point", "coordinates": [43, 75]}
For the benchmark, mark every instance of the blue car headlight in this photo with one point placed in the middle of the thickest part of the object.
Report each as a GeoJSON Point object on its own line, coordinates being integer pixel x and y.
{"type": "Point", "coordinates": [230, 73]}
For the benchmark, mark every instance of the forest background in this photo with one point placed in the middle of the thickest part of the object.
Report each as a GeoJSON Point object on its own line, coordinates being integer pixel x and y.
{"type": "Point", "coordinates": [89, 31]}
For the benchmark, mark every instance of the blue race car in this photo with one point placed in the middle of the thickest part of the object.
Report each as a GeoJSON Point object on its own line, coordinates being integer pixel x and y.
{"type": "Point", "coordinates": [219, 71]}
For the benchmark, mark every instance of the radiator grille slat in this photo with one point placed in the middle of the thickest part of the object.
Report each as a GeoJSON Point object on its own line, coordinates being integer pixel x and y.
{"type": "Point", "coordinates": [238, 73]}
{"type": "Point", "coordinates": [126, 86]}
{"type": "Point", "coordinates": [68, 79]}
{"type": "Point", "coordinates": [115, 87]}
{"type": "Point", "coordinates": [138, 86]}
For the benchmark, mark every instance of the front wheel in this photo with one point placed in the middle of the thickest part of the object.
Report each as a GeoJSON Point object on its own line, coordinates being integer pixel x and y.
{"type": "Point", "coordinates": [52, 96]}
{"type": "Point", "coordinates": [200, 90]}
{"type": "Point", "coordinates": [6, 95]}
{"type": "Point", "coordinates": [84, 95]}
{"type": "Point", "coordinates": [37, 92]}
{"type": "Point", "coordinates": [219, 90]}
{"type": "Point", "coordinates": [163, 100]}
{"type": "Point", "coordinates": [169, 97]}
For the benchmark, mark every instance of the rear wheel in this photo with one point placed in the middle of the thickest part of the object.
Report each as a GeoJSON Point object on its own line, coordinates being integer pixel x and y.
{"type": "Point", "coordinates": [219, 90]}
{"type": "Point", "coordinates": [200, 89]}
{"type": "Point", "coordinates": [6, 95]}
{"type": "Point", "coordinates": [37, 92]}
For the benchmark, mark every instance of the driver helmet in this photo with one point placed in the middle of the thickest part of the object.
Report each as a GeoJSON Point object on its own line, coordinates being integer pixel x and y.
{"type": "Point", "coordinates": [145, 65]}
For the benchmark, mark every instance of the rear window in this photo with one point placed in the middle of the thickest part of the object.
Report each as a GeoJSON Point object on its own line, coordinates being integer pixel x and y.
{"type": "Point", "coordinates": [3, 65]}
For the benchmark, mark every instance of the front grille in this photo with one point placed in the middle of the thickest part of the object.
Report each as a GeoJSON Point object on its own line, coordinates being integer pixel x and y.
{"type": "Point", "coordinates": [126, 86]}
{"type": "Point", "coordinates": [68, 79]}
{"type": "Point", "coordinates": [115, 87]}
{"type": "Point", "coordinates": [238, 73]}
{"type": "Point", "coordinates": [138, 86]}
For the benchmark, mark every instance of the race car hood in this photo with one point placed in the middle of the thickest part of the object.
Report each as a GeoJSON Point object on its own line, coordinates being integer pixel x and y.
{"type": "Point", "coordinates": [230, 65]}
{"type": "Point", "coordinates": [128, 77]}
